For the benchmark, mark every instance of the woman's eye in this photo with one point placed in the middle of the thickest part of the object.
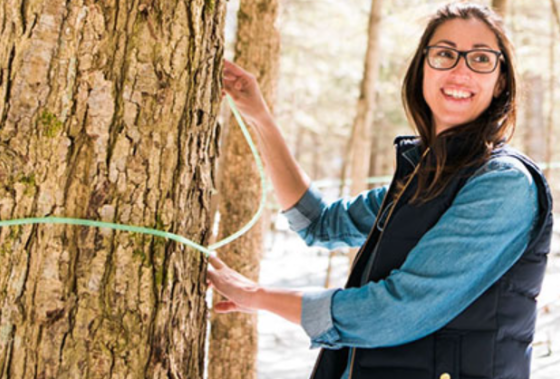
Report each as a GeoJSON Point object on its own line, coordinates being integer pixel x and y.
{"type": "Point", "coordinates": [481, 58]}
{"type": "Point", "coordinates": [446, 54]}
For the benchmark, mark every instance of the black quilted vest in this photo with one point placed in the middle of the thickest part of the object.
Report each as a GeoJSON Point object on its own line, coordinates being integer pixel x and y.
{"type": "Point", "coordinates": [491, 338]}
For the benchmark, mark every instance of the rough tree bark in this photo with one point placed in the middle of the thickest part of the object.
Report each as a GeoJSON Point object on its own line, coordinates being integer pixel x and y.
{"type": "Point", "coordinates": [107, 112]}
{"type": "Point", "coordinates": [234, 337]}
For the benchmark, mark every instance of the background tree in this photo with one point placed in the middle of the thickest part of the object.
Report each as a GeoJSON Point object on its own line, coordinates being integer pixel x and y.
{"type": "Point", "coordinates": [550, 132]}
{"type": "Point", "coordinates": [107, 112]}
{"type": "Point", "coordinates": [234, 336]}
{"type": "Point", "coordinates": [501, 6]}
{"type": "Point", "coordinates": [358, 152]}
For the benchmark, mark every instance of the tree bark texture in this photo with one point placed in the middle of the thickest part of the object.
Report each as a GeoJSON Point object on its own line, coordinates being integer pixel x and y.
{"type": "Point", "coordinates": [107, 112]}
{"type": "Point", "coordinates": [234, 336]}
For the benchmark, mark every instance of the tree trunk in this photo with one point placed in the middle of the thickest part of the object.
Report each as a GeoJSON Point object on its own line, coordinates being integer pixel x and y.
{"type": "Point", "coordinates": [359, 148]}
{"type": "Point", "coordinates": [550, 133]}
{"type": "Point", "coordinates": [500, 6]}
{"type": "Point", "coordinates": [234, 337]}
{"type": "Point", "coordinates": [107, 112]}
{"type": "Point", "coordinates": [555, 12]}
{"type": "Point", "coordinates": [535, 126]}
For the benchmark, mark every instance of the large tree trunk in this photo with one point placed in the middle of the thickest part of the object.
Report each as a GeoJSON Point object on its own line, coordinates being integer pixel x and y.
{"type": "Point", "coordinates": [234, 337]}
{"type": "Point", "coordinates": [107, 112]}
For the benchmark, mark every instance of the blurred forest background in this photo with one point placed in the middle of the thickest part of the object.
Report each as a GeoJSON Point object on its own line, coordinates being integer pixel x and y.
{"type": "Point", "coordinates": [323, 47]}
{"type": "Point", "coordinates": [323, 43]}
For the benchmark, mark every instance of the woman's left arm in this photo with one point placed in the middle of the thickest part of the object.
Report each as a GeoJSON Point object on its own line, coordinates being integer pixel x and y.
{"type": "Point", "coordinates": [474, 243]}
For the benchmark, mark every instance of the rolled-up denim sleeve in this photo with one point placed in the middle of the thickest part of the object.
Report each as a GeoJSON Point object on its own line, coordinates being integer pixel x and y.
{"type": "Point", "coordinates": [316, 317]}
{"type": "Point", "coordinates": [344, 223]}
{"type": "Point", "coordinates": [478, 239]}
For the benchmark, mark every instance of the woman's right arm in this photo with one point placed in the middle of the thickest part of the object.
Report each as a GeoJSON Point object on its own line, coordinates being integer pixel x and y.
{"type": "Point", "coordinates": [343, 223]}
{"type": "Point", "coordinates": [289, 180]}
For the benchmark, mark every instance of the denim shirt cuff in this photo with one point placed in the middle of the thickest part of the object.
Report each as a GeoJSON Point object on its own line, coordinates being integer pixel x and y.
{"type": "Point", "coordinates": [306, 210]}
{"type": "Point", "coordinates": [316, 318]}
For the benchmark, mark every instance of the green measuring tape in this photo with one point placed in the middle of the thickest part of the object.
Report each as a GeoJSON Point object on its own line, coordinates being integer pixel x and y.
{"type": "Point", "coordinates": [158, 233]}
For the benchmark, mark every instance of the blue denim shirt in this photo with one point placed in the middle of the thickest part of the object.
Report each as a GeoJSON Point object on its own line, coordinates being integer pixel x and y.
{"type": "Point", "coordinates": [480, 237]}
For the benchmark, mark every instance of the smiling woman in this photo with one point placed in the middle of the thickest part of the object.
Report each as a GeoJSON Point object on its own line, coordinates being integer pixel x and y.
{"type": "Point", "coordinates": [453, 252]}
{"type": "Point", "coordinates": [459, 90]}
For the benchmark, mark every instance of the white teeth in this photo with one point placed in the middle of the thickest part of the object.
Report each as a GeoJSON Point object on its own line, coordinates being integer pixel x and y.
{"type": "Point", "coordinates": [457, 94]}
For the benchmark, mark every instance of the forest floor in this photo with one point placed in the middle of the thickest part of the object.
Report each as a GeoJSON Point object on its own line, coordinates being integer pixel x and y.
{"type": "Point", "coordinates": [284, 347]}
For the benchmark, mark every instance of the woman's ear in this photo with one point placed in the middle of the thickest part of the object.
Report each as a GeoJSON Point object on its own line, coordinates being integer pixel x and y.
{"type": "Point", "coordinates": [500, 85]}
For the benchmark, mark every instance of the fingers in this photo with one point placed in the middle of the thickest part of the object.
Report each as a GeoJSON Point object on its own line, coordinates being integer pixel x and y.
{"type": "Point", "coordinates": [212, 276]}
{"type": "Point", "coordinates": [214, 279]}
{"type": "Point", "coordinates": [232, 68]}
{"type": "Point", "coordinates": [231, 71]}
{"type": "Point", "coordinates": [229, 307]}
{"type": "Point", "coordinates": [216, 262]}
{"type": "Point", "coordinates": [235, 76]}
{"type": "Point", "coordinates": [225, 307]}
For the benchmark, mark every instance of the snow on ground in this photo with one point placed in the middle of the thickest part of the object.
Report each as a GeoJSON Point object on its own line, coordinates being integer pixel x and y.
{"type": "Point", "coordinates": [288, 263]}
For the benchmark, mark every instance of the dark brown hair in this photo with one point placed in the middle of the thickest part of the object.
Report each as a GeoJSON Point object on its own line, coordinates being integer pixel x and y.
{"type": "Point", "coordinates": [479, 137]}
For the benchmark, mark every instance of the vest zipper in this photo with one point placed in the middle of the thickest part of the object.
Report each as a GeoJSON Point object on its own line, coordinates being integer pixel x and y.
{"type": "Point", "coordinates": [381, 235]}
{"type": "Point", "coordinates": [314, 372]}
{"type": "Point", "coordinates": [376, 219]}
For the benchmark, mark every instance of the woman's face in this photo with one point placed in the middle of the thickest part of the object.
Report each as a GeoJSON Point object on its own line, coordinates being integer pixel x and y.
{"type": "Point", "coordinates": [460, 95]}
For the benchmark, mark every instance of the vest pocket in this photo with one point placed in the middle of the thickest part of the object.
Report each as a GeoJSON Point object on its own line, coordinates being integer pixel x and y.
{"type": "Point", "coordinates": [447, 356]}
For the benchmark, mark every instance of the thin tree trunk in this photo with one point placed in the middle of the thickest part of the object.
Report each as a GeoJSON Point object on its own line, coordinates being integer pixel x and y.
{"type": "Point", "coordinates": [363, 121]}
{"type": "Point", "coordinates": [500, 6]}
{"type": "Point", "coordinates": [550, 135]}
{"type": "Point", "coordinates": [555, 12]}
{"type": "Point", "coordinates": [345, 165]}
{"type": "Point", "coordinates": [107, 112]}
{"type": "Point", "coordinates": [361, 131]}
{"type": "Point", "coordinates": [535, 132]}
{"type": "Point", "coordinates": [234, 337]}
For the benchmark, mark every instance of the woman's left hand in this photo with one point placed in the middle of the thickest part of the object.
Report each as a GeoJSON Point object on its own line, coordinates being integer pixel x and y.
{"type": "Point", "coordinates": [240, 291]}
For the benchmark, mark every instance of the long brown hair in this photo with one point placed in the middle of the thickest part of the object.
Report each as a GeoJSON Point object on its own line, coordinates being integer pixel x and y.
{"type": "Point", "coordinates": [479, 137]}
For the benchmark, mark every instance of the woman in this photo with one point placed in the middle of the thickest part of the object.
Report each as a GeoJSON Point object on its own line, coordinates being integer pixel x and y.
{"type": "Point", "coordinates": [453, 252]}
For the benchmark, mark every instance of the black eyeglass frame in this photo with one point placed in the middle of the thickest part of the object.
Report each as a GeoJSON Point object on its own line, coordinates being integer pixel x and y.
{"type": "Point", "coordinates": [499, 57]}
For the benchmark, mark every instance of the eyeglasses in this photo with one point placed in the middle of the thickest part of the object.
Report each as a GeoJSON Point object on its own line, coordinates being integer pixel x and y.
{"type": "Point", "coordinates": [483, 61]}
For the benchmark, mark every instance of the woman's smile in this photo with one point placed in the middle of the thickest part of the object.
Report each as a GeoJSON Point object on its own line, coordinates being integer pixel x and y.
{"type": "Point", "coordinates": [457, 94]}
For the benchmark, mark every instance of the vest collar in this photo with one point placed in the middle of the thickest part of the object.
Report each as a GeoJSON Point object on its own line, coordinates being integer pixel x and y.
{"type": "Point", "coordinates": [409, 148]}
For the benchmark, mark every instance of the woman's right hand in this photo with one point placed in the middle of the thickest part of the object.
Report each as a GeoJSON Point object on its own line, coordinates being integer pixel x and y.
{"type": "Point", "coordinates": [244, 89]}
{"type": "Point", "coordinates": [288, 179]}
